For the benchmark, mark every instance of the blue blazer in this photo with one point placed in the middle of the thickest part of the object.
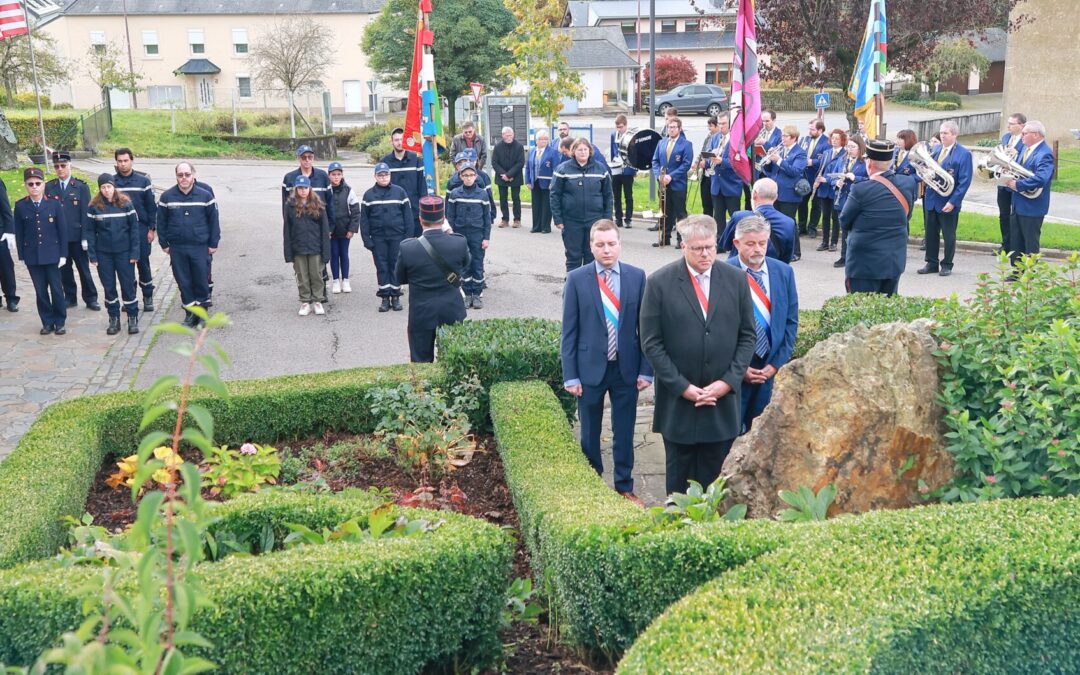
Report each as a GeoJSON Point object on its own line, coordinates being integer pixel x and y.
{"type": "Point", "coordinates": [725, 181]}
{"type": "Point", "coordinates": [1041, 163]}
{"type": "Point", "coordinates": [786, 173]}
{"type": "Point", "coordinates": [584, 329]}
{"type": "Point", "coordinates": [627, 170]}
{"type": "Point", "coordinates": [827, 190]}
{"type": "Point", "coordinates": [549, 159]}
{"type": "Point", "coordinates": [958, 163]}
{"type": "Point", "coordinates": [682, 155]}
{"type": "Point", "coordinates": [859, 169]}
{"type": "Point", "coordinates": [901, 164]}
{"type": "Point", "coordinates": [1006, 138]}
{"type": "Point", "coordinates": [813, 160]}
{"type": "Point", "coordinates": [785, 310]}
{"type": "Point", "coordinates": [783, 233]}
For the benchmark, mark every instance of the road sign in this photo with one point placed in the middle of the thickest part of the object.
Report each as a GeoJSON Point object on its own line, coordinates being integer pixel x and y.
{"type": "Point", "coordinates": [821, 100]}
{"type": "Point", "coordinates": [477, 89]}
{"type": "Point", "coordinates": [371, 84]}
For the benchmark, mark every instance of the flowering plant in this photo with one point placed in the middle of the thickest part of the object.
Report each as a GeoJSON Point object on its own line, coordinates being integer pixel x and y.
{"type": "Point", "coordinates": [232, 472]}
{"type": "Point", "coordinates": [129, 466]}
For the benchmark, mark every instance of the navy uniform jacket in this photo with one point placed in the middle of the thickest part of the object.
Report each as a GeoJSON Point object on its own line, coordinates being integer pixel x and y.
{"type": "Point", "coordinates": [877, 228]}
{"type": "Point", "coordinates": [188, 219]}
{"type": "Point", "coordinates": [482, 179]}
{"type": "Point", "coordinates": [813, 159]}
{"type": "Point", "coordinates": [846, 165]}
{"type": "Point", "coordinates": [786, 172]}
{"type": "Point", "coordinates": [140, 191]}
{"type": "Point", "coordinates": [833, 158]}
{"type": "Point", "coordinates": [7, 224]}
{"type": "Point", "coordinates": [781, 235]}
{"type": "Point", "coordinates": [549, 159]}
{"type": "Point", "coordinates": [385, 213]}
{"type": "Point", "coordinates": [901, 163]}
{"type": "Point", "coordinates": [75, 200]}
{"type": "Point", "coordinates": [467, 210]}
{"type": "Point", "coordinates": [957, 163]}
{"type": "Point", "coordinates": [320, 185]}
{"type": "Point", "coordinates": [432, 300]}
{"type": "Point", "coordinates": [408, 174]}
{"type": "Point", "coordinates": [580, 194]}
{"type": "Point", "coordinates": [724, 182]}
{"type": "Point", "coordinates": [1040, 162]}
{"type": "Point", "coordinates": [678, 165]}
{"type": "Point", "coordinates": [111, 229]}
{"type": "Point", "coordinates": [40, 232]}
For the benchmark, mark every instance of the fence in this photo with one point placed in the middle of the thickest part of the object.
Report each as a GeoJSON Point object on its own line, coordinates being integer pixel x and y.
{"type": "Point", "coordinates": [96, 124]}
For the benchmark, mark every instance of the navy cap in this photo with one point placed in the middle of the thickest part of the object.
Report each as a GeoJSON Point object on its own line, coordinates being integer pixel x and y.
{"type": "Point", "coordinates": [470, 154]}
{"type": "Point", "coordinates": [304, 149]}
{"type": "Point", "coordinates": [467, 166]}
{"type": "Point", "coordinates": [33, 172]}
{"type": "Point", "coordinates": [432, 209]}
{"type": "Point", "coordinates": [61, 156]}
{"type": "Point", "coordinates": [335, 166]}
{"type": "Point", "coordinates": [461, 157]}
{"type": "Point", "coordinates": [382, 167]}
{"type": "Point", "coordinates": [302, 181]}
{"type": "Point", "coordinates": [105, 178]}
{"type": "Point", "coordinates": [397, 130]}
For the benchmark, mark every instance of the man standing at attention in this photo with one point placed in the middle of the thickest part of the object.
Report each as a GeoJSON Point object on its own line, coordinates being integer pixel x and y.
{"type": "Point", "coordinates": [407, 172]}
{"type": "Point", "coordinates": [138, 188]}
{"type": "Point", "coordinates": [697, 331]}
{"type": "Point", "coordinates": [672, 157]}
{"type": "Point", "coordinates": [189, 232]}
{"type": "Point", "coordinates": [508, 162]}
{"type": "Point", "coordinates": [74, 195]}
{"type": "Point", "coordinates": [943, 212]}
{"type": "Point", "coordinates": [1028, 211]}
{"type": "Point", "coordinates": [601, 350]}
{"type": "Point", "coordinates": [776, 314]}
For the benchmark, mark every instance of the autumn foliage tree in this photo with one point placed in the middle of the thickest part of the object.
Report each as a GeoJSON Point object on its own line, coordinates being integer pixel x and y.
{"type": "Point", "coordinates": [540, 56]}
{"type": "Point", "coordinates": [670, 71]}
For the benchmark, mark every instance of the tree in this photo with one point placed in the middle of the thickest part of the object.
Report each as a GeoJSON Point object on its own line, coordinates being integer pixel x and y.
{"type": "Point", "coordinates": [952, 58]}
{"type": "Point", "coordinates": [15, 64]}
{"type": "Point", "coordinates": [293, 53]}
{"type": "Point", "coordinates": [467, 44]}
{"type": "Point", "coordinates": [106, 65]}
{"type": "Point", "coordinates": [540, 56]}
{"type": "Point", "coordinates": [670, 71]}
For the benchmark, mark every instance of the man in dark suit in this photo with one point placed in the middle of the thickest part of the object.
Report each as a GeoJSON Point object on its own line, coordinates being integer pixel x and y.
{"type": "Point", "coordinates": [601, 350]}
{"type": "Point", "coordinates": [875, 219]}
{"type": "Point", "coordinates": [434, 279]}
{"type": "Point", "coordinates": [776, 314]}
{"type": "Point", "coordinates": [74, 196]}
{"type": "Point", "coordinates": [697, 331]}
{"type": "Point", "coordinates": [943, 213]}
{"type": "Point", "coordinates": [1011, 139]}
{"type": "Point", "coordinates": [41, 238]}
{"type": "Point", "coordinates": [782, 235]}
{"type": "Point", "coordinates": [1028, 211]}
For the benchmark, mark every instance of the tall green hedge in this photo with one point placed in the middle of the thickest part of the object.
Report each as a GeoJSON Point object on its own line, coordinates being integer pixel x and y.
{"type": "Point", "coordinates": [57, 126]}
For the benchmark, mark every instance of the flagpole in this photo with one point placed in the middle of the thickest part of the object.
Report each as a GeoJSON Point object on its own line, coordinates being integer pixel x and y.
{"type": "Point", "coordinates": [879, 98]}
{"type": "Point", "coordinates": [37, 89]}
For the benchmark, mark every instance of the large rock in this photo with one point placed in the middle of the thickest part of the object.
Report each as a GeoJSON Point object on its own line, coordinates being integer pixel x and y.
{"type": "Point", "coordinates": [8, 145]}
{"type": "Point", "coordinates": [854, 412]}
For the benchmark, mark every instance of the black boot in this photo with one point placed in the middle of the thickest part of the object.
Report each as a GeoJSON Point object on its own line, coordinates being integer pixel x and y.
{"type": "Point", "coordinates": [385, 306]}
{"type": "Point", "coordinates": [148, 303]}
{"type": "Point", "coordinates": [114, 326]}
{"type": "Point", "coordinates": [133, 324]}
{"type": "Point", "coordinates": [395, 302]}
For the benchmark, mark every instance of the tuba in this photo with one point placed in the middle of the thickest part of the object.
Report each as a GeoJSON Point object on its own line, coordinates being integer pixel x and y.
{"type": "Point", "coordinates": [993, 173]}
{"type": "Point", "coordinates": [1007, 168]}
{"type": "Point", "coordinates": [930, 172]}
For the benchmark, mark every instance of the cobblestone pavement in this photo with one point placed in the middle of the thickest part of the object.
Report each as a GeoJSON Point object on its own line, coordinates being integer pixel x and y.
{"type": "Point", "coordinates": [649, 465]}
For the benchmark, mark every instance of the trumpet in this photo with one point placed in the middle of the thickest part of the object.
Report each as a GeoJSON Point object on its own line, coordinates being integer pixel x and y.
{"type": "Point", "coordinates": [772, 156]}
{"type": "Point", "coordinates": [661, 230]}
{"type": "Point", "coordinates": [1007, 169]}
{"type": "Point", "coordinates": [930, 172]}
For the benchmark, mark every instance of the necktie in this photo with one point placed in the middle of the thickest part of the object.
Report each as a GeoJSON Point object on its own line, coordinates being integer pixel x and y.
{"type": "Point", "coordinates": [761, 313]}
{"type": "Point", "coordinates": [611, 314]}
{"type": "Point", "coordinates": [1027, 153]}
{"type": "Point", "coordinates": [813, 144]}
{"type": "Point", "coordinates": [63, 186]}
{"type": "Point", "coordinates": [700, 284]}
{"type": "Point", "coordinates": [944, 154]}
{"type": "Point", "coordinates": [670, 147]}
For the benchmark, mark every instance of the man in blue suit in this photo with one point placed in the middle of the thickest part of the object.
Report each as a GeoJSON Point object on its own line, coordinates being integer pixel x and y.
{"type": "Point", "coordinates": [942, 213]}
{"type": "Point", "coordinates": [1028, 212]}
{"type": "Point", "coordinates": [1010, 139]}
{"type": "Point", "coordinates": [41, 239]}
{"type": "Point", "coordinates": [673, 156]}
{"type": "Point", "coordinates": [816, 145]}
{"type": "Point", "coordinates": [787, 169]}
{"type": "Point", "coordinates": [726, 186]}
{"type": "Point", "coordinates": [601, 350]}
{"type": "Point", "coordinates": [776, 314]}
{"type": "Point", "coordinates": [875, 219]}
{"type": "Point", "coordinates": [782, 235]}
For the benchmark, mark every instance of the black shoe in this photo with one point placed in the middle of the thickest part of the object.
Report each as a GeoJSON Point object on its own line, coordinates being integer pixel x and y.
{"type": "Point", "coordinates": [654, 228]}
{"type": "Point", "coordinates": [922, 246]}
{"type": "Point", "coordinates": [72, 303]}
{"type": "Point", "coordinates": [813, 233]}
{"type": "Point", "coordinates": [822, 247]}
{"type": "Point", "coordinates": [839, 263]}
{"type": "Point", "coordinates": [832, 247]}
{"type": "Point", "coordinates": [45, 330]}
{"type": "Point", "coordinates": [148, 304]}
{"type": "Point", "coordinates": [133, 324]}
{"type": "Point", "coordinates": [477, 303]}
{"type": "Point", "coordinates": [93, 306]}
{"type": "Point", "coordinates": [796, 258]}
{"type": "Point", "coordinates": [468, 301]}
{"type": "Point", "coordinates": [927, 269]}
{"type": "Point", "coordinates": [13, 305]}
{"type": "Point", "coordinates": [60, 330]}
{"type": "Point", "coordinates": [114, 326]}
{"type": "Point", "coordinates": [945, 271]}
{"type": "Point", "coordinates": [385, 306]}
{"type": "Point", "coordinates": [395, 304]}
{"type": "Point", "coordinates": [191, 321]}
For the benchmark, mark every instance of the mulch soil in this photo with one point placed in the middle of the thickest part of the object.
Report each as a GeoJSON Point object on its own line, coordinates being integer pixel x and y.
{"type": "Point", "coordinates": [477, 489]}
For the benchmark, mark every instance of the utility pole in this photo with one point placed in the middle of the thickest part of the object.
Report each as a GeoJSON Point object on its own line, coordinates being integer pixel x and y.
{"type": "Point", "coordinates": [131, 62]}
{"type": "Point", "coordinates": [652, 85]}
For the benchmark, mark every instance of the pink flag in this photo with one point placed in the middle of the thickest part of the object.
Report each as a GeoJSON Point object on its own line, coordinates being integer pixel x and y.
{"type": "Point", "coordinates": [745, 91]}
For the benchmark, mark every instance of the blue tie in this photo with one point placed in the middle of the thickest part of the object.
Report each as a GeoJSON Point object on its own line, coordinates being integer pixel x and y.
{"type": "Point", "coordinates": [761, 329]}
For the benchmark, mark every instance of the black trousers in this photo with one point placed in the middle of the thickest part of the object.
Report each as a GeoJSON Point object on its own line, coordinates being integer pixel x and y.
{"type": "Point", "coordinates": [146, 277]}
{"type": "Point", "coordinates": [809, 214]}
{"type": "Point", "coordinates": [723, 208]}
{"type": "Point", "coordinates": [515, 196]}
{"type": "Point", "coordinates": [830, 222]}
{"type": "Point", "coordinates": [1004, 202]}
{"type": "Point", "coordinates": [791, 210]}
{"type": "Point", "coordinates": [575, 237]}
{"type": "Point", "coordinates": [189, 267]}
{"type": "Point", "coordinates": [7, 274]}
{"type": "Point", "coordinates": [624, 399]}
{"type": "Point", "coordinates": [385, 255]}
{"type": "Point", "coordinates": [883, 286]}
{"type": "Point", "coordinates": [113, 267]}
{"type": "Point", "coordinates": [541, 209]}
{"type": "Point", "coordinates": [699, 462]}
{"type": "Point", "coordinates": [939, 226]}
{"type": "Point", "coordinates": [622, 190]}
{"type": "Point", "coordinates": [78, 259]}
{"type": "Point", "coordinates": [747, 205]}
{"type": "Point", "coordinates": [49, 289]}
{"type": "Point", "coordinates": [674, 211]}
{"type": "Point", "coordinates": [422, 344]}
{"type": "Point", "coordinates": [1024, 234]}
{"type": "Point", "coordinates": [706, 197]}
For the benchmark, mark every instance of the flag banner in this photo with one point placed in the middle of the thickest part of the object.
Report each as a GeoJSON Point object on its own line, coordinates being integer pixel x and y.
{"type": "Point", "coordinates": [12, 19]}
{"type": "Point", "coordinates": [745, 91]}
{"type": "Point", "coordinates": [865, 86]}
{"type": "Point", "coordinates": [423, 116]}
{"type": "Point", "coordinates": [413, 137]}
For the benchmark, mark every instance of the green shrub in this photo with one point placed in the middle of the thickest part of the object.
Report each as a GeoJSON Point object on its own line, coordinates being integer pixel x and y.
{"type": "Point", "coordinates": [1011, 376]}
{"type": "Point", "coordinates": [368, 136]}
{"type": "Point", "coordinates": [809, 327]}
{"type": "Point", "coordinates": [908, 92]}
{"type": "Point", "coordinates": [843, 312]}
{"type": "Point", "coordinates": [949, 97]}
{"type": "Point", "coordinates": [223, 123]}
{"type": "Point", "coordinates": [394, 604]}
{"type": "Point", "coordinates": [27, 99]}
{"type": "Point", "coordinates": [267, 118]}
{"type": "Point", "coordinates": [57, 125]}
{"type": "Point", "coordinates": [987, 588]}
{"type": "Point", "coordinates": [942, 105]}
{"type": "Point", "coordinates": [987, 142]}
{"type": "Point", "coordinates": [344, 137]}
{"type": "Point", "coordinates": [62, 106]}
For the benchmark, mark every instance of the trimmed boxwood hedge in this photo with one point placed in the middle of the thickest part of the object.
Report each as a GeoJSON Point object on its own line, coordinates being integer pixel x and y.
{"type": "Point", "coordinates": [386, 606]}
{"type": "Point", "coordinates": [843, 312]}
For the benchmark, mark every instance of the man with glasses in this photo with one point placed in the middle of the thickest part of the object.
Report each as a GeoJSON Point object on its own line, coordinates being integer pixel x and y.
{"type": "Point", "coordinates": [138, 188]}
{"type": "Point", "coordinates": [468, 138]}
{"type": "Point", "coordinates": [1013, 140]}
{"type": "Point", "coordinates": [1029, 210]}
{"type": "Point", "coordinates": [189, 232]}
{"type": "Point", "coordinates": [74, 196]}
{"type": "Point", "coordinates": [673, 157]}
{"type": "Point", "coordinates": [943, 213]}
{"type": "Point", "coordinates": [698, 333]}
{"type": "Point", "coordinates": [41, 239]}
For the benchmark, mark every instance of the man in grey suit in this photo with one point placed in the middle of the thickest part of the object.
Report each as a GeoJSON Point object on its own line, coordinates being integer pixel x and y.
{"type": "Point", "coordinates": [697, 331]}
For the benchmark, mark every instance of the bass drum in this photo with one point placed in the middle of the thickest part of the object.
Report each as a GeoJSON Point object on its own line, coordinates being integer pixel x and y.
{"type": "Point", "coordinates": [636, 147]}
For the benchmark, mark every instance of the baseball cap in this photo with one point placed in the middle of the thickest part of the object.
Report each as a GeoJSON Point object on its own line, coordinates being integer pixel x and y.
{"type": "Point", "coordinates": [382, 167]}
{"type": "Point", "coordinates": [335, 166]}
{"type": "Point", "coordinates": [304, 149]}
{"type": "Point", "coordinates": [302, 181]}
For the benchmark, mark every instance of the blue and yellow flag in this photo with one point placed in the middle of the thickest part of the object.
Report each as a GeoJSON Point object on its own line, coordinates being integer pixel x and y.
{"type": "Point", "coordinates": [865, 83]}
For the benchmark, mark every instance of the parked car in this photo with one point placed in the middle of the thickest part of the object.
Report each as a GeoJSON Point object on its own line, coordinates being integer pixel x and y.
{"type": "Point", "coordinates": [707, 99]}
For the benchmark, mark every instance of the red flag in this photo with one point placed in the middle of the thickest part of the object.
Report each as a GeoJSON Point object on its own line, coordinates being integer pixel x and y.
{"type": "Point", "coordinates": [413, 138]}
{"type": "Point", "coordinates": [12, 19]}
{"type": "Point", "coordinates": [745, 91]}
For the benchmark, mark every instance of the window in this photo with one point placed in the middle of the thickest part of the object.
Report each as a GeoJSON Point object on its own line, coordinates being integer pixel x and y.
{"type": "Point", "coordinates": [692, 26]}
{"type": "Point", "coordinates": [150, 43]}
{"type": "Point", "coordinates": [628, 27]}
{"type": "Point", "coordinates": [97, 41]}
{"type": "Point", "coordinates": [718, 73]}
{"type": "Point", "coordinates": [240, 41]}
{"type": "Point", "coordinates": [667, 26]}
{"type": "Point", "coordinates": [196, 41]}
{"type": "Point", "coordinates": [243, 86]}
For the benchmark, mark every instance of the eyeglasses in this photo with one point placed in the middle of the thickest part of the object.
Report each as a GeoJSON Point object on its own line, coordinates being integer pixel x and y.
{"type": "Point", "coordinates": [35, 183]}
{"type": "Point", "coordinates": [183, 175]}
{"type": "Point", "coordinates": [1025, 132]}
{"type": "Point", "coordinates": [698, 250]}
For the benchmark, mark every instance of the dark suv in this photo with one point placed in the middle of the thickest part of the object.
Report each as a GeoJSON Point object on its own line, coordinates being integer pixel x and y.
{"type": "Point", "coordinates": [708, 99]}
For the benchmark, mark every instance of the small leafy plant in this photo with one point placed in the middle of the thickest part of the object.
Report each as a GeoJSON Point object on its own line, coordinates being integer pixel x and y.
{"type": "Point", "coordinates": [520, 604]}
{"type": "Point", "coordinates": [697, 505]}
{"type": "Point", "coordinates": [233, 472]}
{"type": "Point", "coordinates": [129, 467]}
{"type": "Point", "coordinates": [806, 506]}
{"type": "Point", "coordinates": [382, 522]}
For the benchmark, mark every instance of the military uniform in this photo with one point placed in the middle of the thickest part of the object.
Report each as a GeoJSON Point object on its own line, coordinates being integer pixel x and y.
{"type": "Point", "coordinates": [188, 227]}
{"type": "Point", "coordinates": [408, 174]}
{"type": "Point", "coordinates": [112, 236]}
{"type": "Point", "coordinates": [468, 215]}
{"type": "Point", "coordinates": [75, 199]}
{"type": "Point", "coordinates": [385, 218]}
{"type": "Point", "coordinates": [41, 239]}
{"type": "Point", "coordinates": [7, 244]}
{"type": "Point", "coordinates": [138, 188]}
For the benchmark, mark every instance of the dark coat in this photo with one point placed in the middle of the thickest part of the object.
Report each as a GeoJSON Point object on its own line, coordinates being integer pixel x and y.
{"type": "Point", "coordinates": [467, 210]}
{"type": "Point", "coordinates": [75, 201]}
{"type": "Point", "coordinates": [320, 185]}
{"type": "Point", "coordinates": [408, 174]}
{"type": "Point", "coordinates": [684, 348]}
{"type": "Point", "coordinates": [7, 224]}
{"type": "Point", "coordinates": [40, 232]}
{"type": "Point", "coordinates": [479, 144]}
{"type": "Point", "coordinates": [140, 191]}
{"type": "Point", "coordinates": [781, 237]}
{"type": "Point", "coordinates": [482, 179]}
{"type": "Point", "coordinates": [112, 229]}
{"type": "Point", "coordinates": [346, 211]}
{"type": "Point", "coordinates": [432, 301]}
{"type": "Point", "coordinates": [877, 228]}
{"type": "Point", "coordinates": [581, 194]}
{"type": "Point", "coordinates": [306, 235]}
{"type": "Point", "coordinates": [787, 172]}
{"type": "Point", "coordinates": [188, 219]}
{"type": "Point", "coordinates": [509, 159]}
{"type": "Point", "coordinates": [385, 213]}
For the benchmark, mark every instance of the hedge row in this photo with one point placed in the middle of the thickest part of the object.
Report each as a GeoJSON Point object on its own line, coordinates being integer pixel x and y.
{"type": "Point", "coordinates": [384, 606]}
{"type": "Point", "coordinates": [798, 100]}
{"type": "Point", "coordinates": [843, 312]}
{"type": "Point", "coordinates": [979, 588]}
{"type": "Point", "coordinates": [57, 127]}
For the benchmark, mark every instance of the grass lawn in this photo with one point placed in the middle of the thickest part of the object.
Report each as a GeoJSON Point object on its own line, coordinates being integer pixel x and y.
{"type": "Point", "coordinates": [149, 134]}
{"type": "Point", "coordinates": [1068, 179]}
{"type": "Point", "coordinates": [13, 181]}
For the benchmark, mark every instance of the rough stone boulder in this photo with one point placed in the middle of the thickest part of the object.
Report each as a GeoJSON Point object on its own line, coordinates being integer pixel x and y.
{"type": "Point", "coordinates": [855, 411]}
{"type": "Point", "coordinates": [8, 145]}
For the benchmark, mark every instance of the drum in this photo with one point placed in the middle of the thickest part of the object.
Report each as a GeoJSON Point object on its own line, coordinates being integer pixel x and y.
{"type": "Point", "coordinates": [636, 147]}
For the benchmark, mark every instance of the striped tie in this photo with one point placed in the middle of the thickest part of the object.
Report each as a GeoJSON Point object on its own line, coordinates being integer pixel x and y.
{"type": "Point", "coordinates": [761, 327]}
{"type": "Point", "coordinates": [612, 329]}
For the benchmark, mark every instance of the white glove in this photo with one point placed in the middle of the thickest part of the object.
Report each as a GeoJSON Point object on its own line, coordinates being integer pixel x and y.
{"type": "Point", "coordinates": [10, 239]}
{"type": "Point", "coordinates": [61, 263]}
{"type": "Point", "coordinates": [85, 245]}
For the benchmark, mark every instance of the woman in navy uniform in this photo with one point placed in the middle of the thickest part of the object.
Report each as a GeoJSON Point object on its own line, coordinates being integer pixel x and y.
{"type": "Point", "coordinates": [467, 213]}
{"type": "Point", "coordinates": [41, 239]}
{"type": "Point", "coordinates": [113, 239]}
{"type": "Point", "coordinates": [74, 196]}
{"type": "Point", "coordinates": [7, 246]}
{"type": "Point", "coordinates": [580, 196]}
{"type": "Point", "coordinates": [385, 219]}
{"type": "Point", "coordinates": [854, 169]}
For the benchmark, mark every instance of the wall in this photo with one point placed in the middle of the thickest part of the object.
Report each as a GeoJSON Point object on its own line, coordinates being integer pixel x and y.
{"type": "Point", "coordinates": [975, 123]}
{"type": "Point", "coordinates": [593, 81]}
